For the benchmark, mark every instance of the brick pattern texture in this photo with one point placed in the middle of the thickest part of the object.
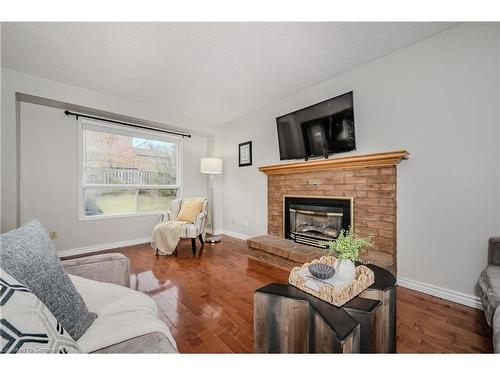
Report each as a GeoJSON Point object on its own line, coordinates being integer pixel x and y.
{"type": "Point", "coordinates": [374, 193]}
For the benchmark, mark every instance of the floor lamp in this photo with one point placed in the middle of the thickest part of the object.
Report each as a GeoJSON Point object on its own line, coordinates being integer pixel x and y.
{"type": "Point", "coordinates": [211, 166]}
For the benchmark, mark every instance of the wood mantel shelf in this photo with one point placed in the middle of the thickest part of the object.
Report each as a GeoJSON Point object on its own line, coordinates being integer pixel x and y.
{"type": "Point", "coordinates": [355, 161]}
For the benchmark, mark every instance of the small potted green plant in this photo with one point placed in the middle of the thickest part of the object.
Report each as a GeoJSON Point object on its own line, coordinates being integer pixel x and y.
{"type": "Point", "coordinates": [347, 248]}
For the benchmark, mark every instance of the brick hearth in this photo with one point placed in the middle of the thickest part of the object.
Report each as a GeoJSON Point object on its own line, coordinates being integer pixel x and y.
{"type": "Point", "coordinates": [373, 188]}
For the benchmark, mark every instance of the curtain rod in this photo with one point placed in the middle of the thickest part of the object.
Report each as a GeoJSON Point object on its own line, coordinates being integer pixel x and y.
{"type": "Point", "coordinates": [68, 113]}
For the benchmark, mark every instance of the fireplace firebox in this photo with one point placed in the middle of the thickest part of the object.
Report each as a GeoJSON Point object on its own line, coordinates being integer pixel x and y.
{"type": "Point", "coordinates": [311, 220]}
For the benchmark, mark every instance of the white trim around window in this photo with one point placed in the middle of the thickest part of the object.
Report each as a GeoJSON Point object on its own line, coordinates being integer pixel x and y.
{"type": "Point", "coordinates": [110, 128]}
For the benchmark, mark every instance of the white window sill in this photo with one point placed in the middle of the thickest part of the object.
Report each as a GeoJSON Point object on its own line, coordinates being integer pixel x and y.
{"type": "Point", "coordinates": [119, 216]}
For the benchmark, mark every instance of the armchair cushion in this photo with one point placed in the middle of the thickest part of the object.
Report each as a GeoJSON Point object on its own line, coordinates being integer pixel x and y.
{"type": "Point", "coordinates": [189, 210]}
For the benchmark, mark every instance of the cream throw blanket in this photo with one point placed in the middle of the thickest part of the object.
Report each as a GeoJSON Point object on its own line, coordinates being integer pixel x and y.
{"type": "Point", "coordinates": [123, 314]}
{"type": "Point", "coordinates": [166, 236]}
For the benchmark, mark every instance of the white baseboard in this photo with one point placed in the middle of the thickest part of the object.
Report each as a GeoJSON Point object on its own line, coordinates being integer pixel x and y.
{"type": "Point", "coordinates": [239, 236]}
{"type": "Point", "coordinates": [219, 232]}
{"type": "Point", "coordinates": [436, 291]}
{"type": "Point", "coordinates": [101, 247]}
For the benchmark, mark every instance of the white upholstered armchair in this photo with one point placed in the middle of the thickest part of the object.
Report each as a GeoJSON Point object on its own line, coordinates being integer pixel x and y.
{"type": "Point", "coordinates": [189, 230]}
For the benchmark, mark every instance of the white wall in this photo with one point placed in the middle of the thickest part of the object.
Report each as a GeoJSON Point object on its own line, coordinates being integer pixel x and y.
{"type": "Point", "coordinates": [55, 204]}
{"type": "Point", "coordinates": [438, 99]}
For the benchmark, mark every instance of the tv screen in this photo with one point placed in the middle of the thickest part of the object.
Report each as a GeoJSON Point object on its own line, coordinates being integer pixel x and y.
{"type": "Point", "coordinates": [318, 130]}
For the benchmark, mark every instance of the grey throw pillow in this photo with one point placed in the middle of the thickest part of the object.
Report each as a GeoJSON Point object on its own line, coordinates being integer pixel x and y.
{"type": "Point", "coordinates": [30, 257]}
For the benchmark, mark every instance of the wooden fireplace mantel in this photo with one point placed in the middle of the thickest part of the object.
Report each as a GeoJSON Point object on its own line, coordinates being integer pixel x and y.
{"type": "Point", "coordinates": [355, 161]}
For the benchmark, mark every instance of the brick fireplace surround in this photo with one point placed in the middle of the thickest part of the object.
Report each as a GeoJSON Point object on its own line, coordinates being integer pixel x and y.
{"type": "Point", "coordinates": [369, 179]}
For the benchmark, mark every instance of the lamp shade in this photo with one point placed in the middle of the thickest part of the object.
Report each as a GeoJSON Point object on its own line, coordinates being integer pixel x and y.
{"type": "Point", "coordinates": [211, 166]}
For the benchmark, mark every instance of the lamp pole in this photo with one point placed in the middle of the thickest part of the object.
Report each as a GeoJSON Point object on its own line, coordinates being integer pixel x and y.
{"type": "Point", "coordinates": [212, 239]}
{"type": "Point", "coordinates": [211, 166]}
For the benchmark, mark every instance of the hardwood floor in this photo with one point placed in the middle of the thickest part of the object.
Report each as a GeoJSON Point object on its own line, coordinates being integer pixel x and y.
{"type": "Point", "coordinates": [207, 302]}
{"type": "Point", "coordinates": [427, 324]}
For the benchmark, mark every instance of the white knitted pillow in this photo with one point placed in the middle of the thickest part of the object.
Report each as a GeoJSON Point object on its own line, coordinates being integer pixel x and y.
{"type": "Point", "coordinates": [26, 324]}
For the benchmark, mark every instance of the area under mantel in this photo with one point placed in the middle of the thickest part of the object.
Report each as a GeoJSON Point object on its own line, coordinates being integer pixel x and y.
{"type": "Point", "coordinates": [355, 161]}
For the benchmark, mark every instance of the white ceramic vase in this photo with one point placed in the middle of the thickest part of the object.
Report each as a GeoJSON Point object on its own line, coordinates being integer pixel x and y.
{"type": "Point", "coordinates": [345, 270]}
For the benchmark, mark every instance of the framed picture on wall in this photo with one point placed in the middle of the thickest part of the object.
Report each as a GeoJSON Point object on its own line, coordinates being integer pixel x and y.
{"type": "Point", "coordinates": [245, 154]}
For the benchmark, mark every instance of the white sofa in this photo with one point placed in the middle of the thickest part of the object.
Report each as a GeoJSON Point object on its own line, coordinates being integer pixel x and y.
{"type": "Point", "coordinates": [127, 320]}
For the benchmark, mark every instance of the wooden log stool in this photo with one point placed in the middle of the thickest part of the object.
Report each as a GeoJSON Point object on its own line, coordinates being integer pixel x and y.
{"type": "Point", "coordinates": [288, 320]}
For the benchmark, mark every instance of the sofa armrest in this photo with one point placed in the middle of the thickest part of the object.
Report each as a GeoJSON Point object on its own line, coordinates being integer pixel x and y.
{"type": "Point", "coordinates": [494, 251]}
{"type": "Point", "coordinates": [111, 268]}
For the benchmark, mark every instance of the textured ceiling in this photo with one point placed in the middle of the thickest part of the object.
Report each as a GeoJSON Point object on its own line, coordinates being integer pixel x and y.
{"type": "Point", "coordinates": [215, 72]}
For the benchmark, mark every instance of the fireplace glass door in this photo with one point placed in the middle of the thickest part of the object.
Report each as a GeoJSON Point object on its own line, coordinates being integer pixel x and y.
{"type": "Point", "coordinates": [314, 222]}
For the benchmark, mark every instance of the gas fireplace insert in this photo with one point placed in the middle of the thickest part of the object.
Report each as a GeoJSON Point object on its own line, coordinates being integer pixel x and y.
{"type": "Point", "coordinates": [312, 220]}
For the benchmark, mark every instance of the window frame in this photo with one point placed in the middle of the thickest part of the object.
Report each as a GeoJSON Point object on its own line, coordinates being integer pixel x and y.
{"type": "Point", "coordinates": [150, 134]}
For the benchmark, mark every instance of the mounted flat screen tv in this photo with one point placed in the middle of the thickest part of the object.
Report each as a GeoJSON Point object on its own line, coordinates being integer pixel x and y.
{"type": "Point", "coordinates": [321, 129]}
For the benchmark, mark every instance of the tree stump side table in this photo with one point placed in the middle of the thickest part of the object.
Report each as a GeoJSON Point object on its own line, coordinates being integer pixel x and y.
{"type": "Point", "coordinates": [288, 320]}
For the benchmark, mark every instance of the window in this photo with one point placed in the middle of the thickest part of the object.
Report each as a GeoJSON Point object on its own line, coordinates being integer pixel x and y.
{"type": "Point", "coordinates": [126, 172]}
